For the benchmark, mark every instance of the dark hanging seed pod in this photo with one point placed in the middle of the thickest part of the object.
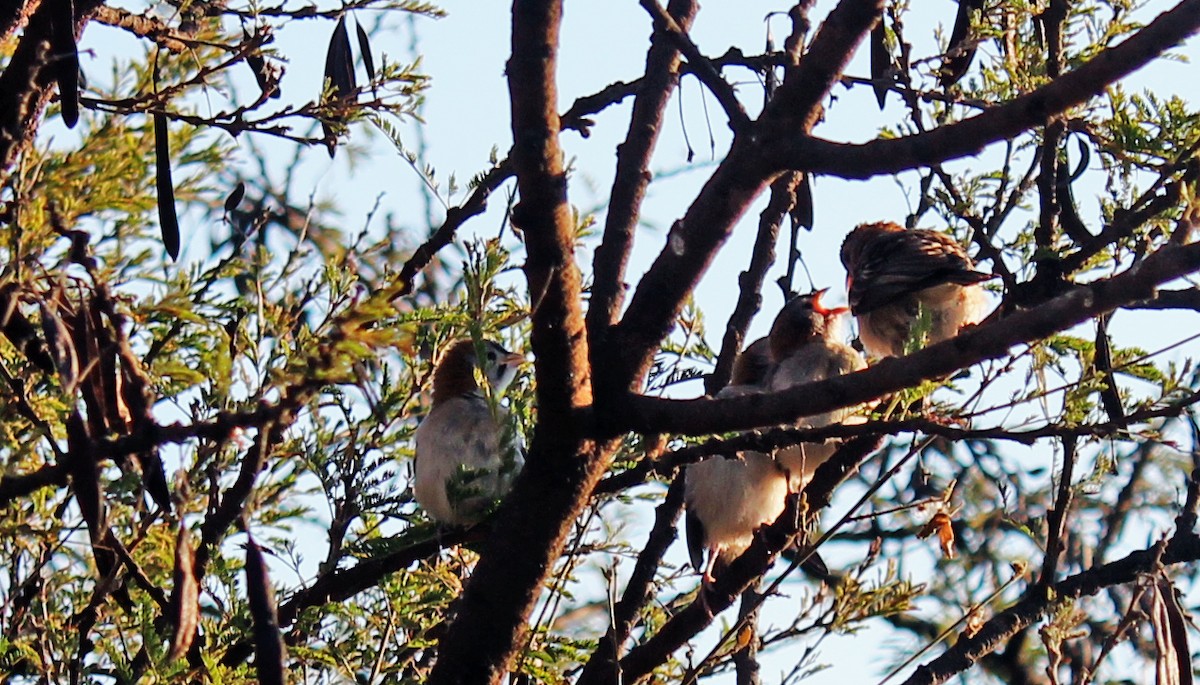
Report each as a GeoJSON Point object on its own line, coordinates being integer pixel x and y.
{"type": "Point", "coordinates": [364, 46]}
{"type": "Point", "coordinates": [65, 58]}
{"type": "Point", "coordinates": [961, 51]}
{"type": "Point", "coordinates": [339, 72]}
{"type": "Point", "coordinates": [802, 211]}
{"type": "Point", "coordinates": [168, 221]}
{"type": "Point", "coordinates": [269, 651]}
{"type": "Point", "coordinates": [235, 197]}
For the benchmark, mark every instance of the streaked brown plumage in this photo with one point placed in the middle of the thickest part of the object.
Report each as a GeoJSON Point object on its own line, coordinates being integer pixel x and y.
{"type": "Point", "coordinates": [467, 455]}
{"type": "Point", "coordinates": [893, 274]}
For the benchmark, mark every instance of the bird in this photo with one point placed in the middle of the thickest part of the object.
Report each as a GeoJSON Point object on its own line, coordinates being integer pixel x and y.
{"type": "Point", "coordinates": [726, 499]}
{"type": "Point", "coordinates": [467, 451]}
{"type": "Point", "coordinates": [898, 277]}
{"type": "Point", "coordinates": [804, 347]}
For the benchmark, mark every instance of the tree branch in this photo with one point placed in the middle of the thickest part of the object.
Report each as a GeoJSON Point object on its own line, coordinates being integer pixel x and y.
{"type": "Point", "coordinates": [750, 281]}
{"type": "Point", "coordinates": [144, 26]}
{"type": "Point", "coordinates": [13, 14]}
{"type": "Point", "coordinates": [1184, 547]}
{"type": "Point", "coordinates": [789, 150]}
{"type": "Point", "coordinates": [703, 69]}
{"type": "Point", "coordinates": [233, 501]}
{"type": "Point", "coordinates": [988, 341]}
{"type": "Point", "coordinates": [1056, 519]}
{"type": "Point", "coordinates": [342, 584]}
{"type": "Point", "coordinates": [694, 240]}
{"type": "Point", "coordinates": [14, 486]}
{"type": "Point", "coordinates": [742, 572]}
{"type": "Point", "coordinates": [633, 175]}
{"type": "Point", "coordinates": [474, 205]}
{"type": "Point", "coordinates": [602, 667]}
{"type": "Point", "coordinates": [25, 85]}
{"type": "Point", "coordinates": [797, 105]}
{"type": "Point", "coordinates": [778, 438]}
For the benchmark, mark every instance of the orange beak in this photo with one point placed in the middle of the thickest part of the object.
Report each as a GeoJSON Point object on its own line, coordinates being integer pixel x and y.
{"type": "Point", "coordinates": [822, 309]}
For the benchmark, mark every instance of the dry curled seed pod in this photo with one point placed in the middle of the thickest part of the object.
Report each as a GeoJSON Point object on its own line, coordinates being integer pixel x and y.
{"type": "Point", "coordinates": [185, 595]}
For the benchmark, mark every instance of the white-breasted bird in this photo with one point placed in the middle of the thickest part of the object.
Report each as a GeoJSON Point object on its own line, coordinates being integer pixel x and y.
{"type": "Point", "coordinates": [897, 277]}
{"type": "Point", "coordinates": [805, 347]}
{"type": "Point", "coordinates": [728, 499]}
{"type": "Point", "coordinates": [467, 451]}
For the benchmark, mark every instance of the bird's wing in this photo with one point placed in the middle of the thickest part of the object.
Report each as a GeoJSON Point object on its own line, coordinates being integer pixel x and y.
{"type": "Point", "coordinates": [694, 532]}
{"type": "Point", "coordinates": [898, 264]}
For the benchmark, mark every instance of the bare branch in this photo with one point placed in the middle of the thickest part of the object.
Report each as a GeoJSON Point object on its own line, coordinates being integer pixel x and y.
{"type": "Point", "coordinates": [1184, 547]}
{"type": "Point", "coordinates": [694, 239]}
{"type": "Point", "coordinates": [603, 665]}
{"type": "Point", "coordinates": [738, 119]}
{"type": "Point", "coordinates": [144, 26]}
{"type": "Point", "coordinates": [750, 281]}
{"type": "Point", "coordinates": [743, 571]}
{"type": "Point", "coordinates": [633, 174]}
{"type": "Point", "coordinates": [778, 438]}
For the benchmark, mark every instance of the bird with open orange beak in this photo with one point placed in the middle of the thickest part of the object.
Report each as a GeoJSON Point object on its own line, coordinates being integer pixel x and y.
{"type": "Point", "coordinates": [728, 499]}
{"type": "Point", "coordinates": [467, 450]}
{"type": "Point", "coordinates": [805, 347]}
{"type": "Point", "coordinates": [909, 288]}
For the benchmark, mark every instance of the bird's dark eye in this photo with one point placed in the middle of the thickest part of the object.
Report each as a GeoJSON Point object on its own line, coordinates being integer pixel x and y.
{"type": "Point", "coordinates": [491, 356]}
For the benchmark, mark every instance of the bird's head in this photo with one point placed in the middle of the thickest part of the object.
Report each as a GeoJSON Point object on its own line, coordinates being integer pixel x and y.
{"type": "Point", "coordinates": [804, 319]}
{"type": "Point", "coordinates": [857, 240]}
{"type": "Point", "coordinates": [455, 373]}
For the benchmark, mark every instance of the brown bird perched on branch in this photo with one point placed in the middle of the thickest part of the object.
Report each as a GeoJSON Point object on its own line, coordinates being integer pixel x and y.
{"type": "Point", "coordinates": [467, 449]}
{"type": "Point", "coordinates": [909, 288]}
{"type": "Point", "coordinates": [805, 347]}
